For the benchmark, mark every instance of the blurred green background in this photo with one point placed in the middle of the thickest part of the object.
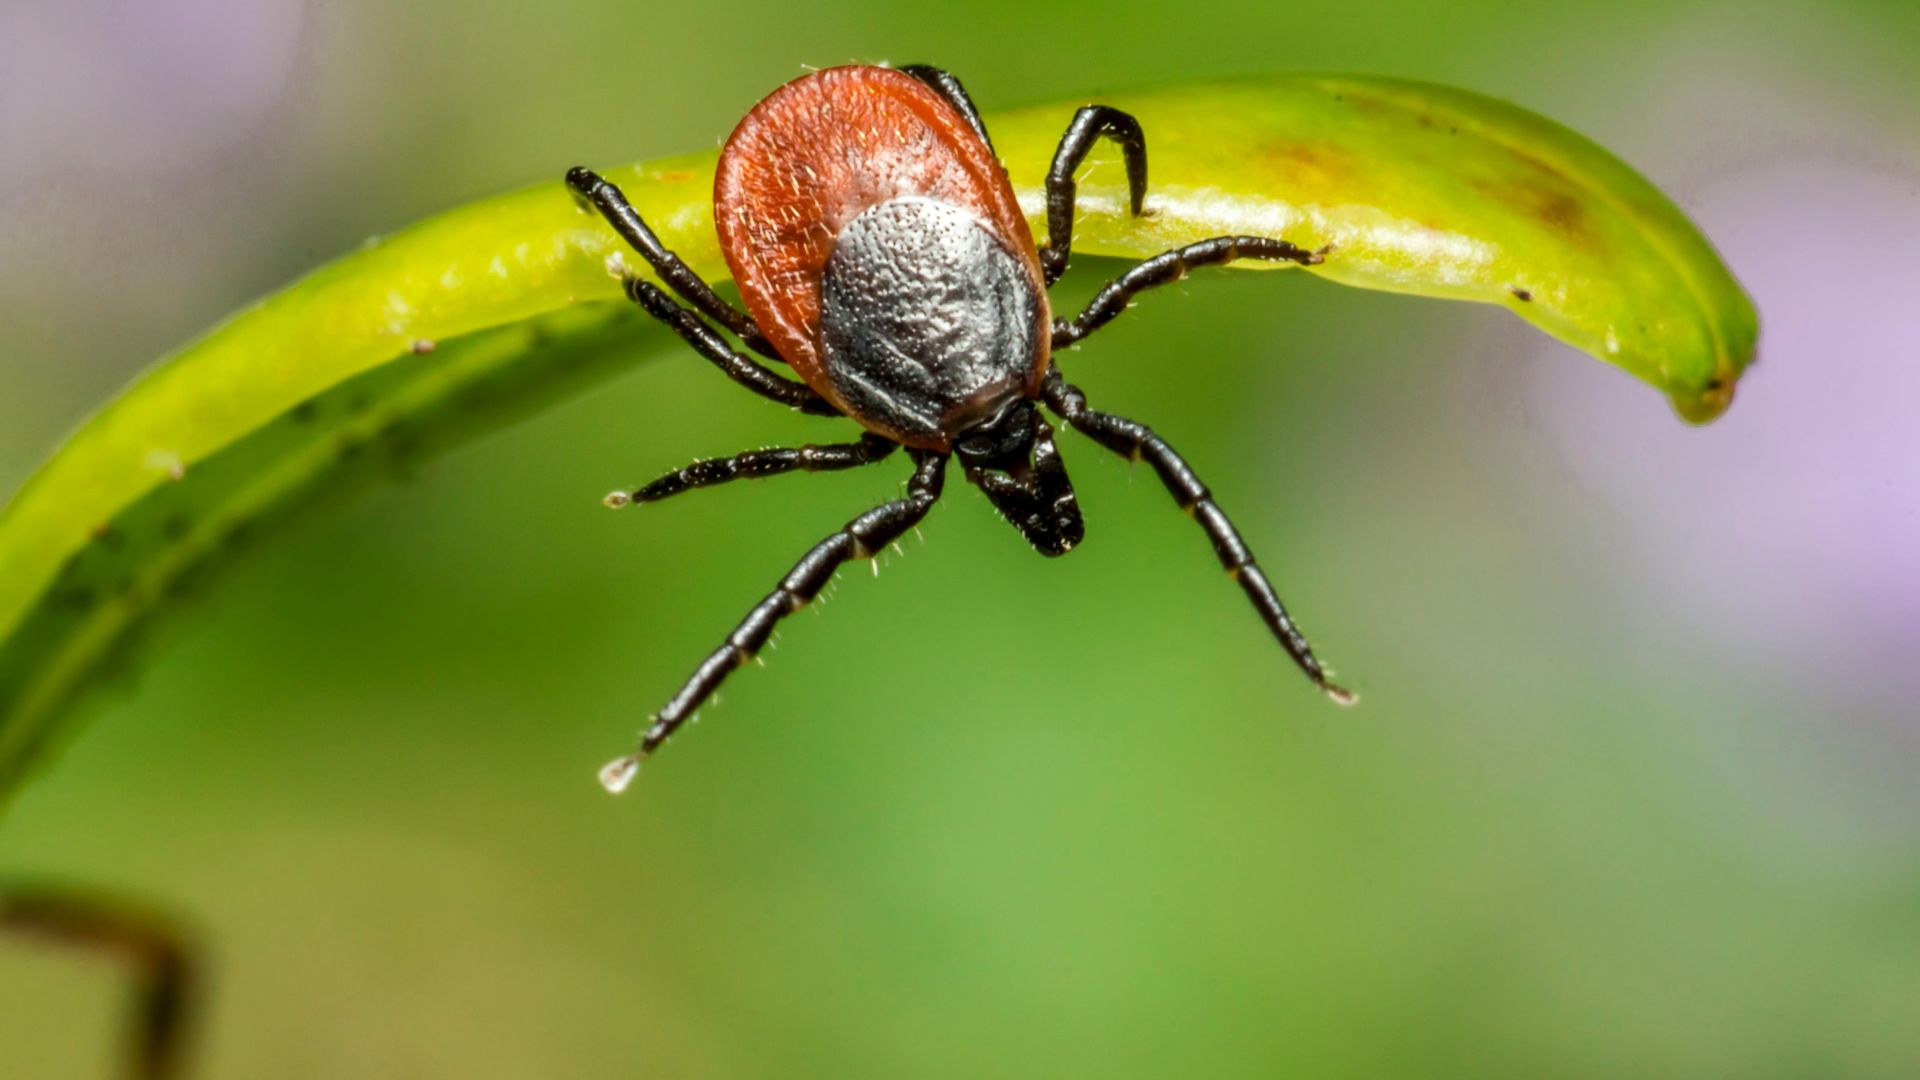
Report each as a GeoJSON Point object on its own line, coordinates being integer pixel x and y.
{"type": "Point", "coordinates": [1630, 793]}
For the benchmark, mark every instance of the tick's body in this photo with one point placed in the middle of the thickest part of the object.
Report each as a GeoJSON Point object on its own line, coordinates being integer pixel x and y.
{"type": "Point", "coordinates": [881, 254]}
{"type": "Point", "coordinates": [878, 246]}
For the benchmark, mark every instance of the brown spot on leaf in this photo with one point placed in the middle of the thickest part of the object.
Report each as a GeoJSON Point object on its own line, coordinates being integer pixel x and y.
{"type": "Point", "coordinates": [1308, 165]}
{"type": "Point", "coordinates": [1544, 190]}
{"type": "Point", "coordinates": [1539, 166]}
{"type": "Point", "coordinates": [1366, 103]}
{"type": "Point", "coordinates": [1551, 204]}
{"type": "Point", "coordinates": [1561, 210]}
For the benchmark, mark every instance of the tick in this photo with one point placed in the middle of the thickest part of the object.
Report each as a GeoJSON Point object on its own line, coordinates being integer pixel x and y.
{"type": "Point", "coordinates": [881, 255]}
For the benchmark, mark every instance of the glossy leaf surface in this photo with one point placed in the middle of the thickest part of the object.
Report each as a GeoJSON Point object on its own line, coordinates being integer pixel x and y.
{"type": "Point", "coordinates": [479, 315]}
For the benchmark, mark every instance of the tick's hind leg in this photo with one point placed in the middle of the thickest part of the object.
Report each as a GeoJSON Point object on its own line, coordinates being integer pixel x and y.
{"type": "Point", "coordinates": [757, 463]}
{"type": "Point", "coordinates": [861, 538]}
{"type": "Point", "coordinates": [613, 205]}
{"type": "Point", "coordinates": [1087, 128]}
{"type": "Point", "coordinates": [1169, 267]}
{"type": "Point", "coordinates": [942, 82]}
{"type": "Point", "coordinates": [1137, 442]}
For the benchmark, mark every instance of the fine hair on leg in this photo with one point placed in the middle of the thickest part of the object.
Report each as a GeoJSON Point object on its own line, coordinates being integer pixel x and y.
{"type": "Point", "coordinates": [861, 538]}
{"type": "Point", "coordinates": [1089, 126]}
{"type": "Point", "coordinates": [1137, 442]}
{"type": "Point", "coordinates": [758, 463]}
{"type": "Point", "coordinates": [942, 82]}
{"type": "Point", "coordinates": [739, 367]}
{"type": "Point", "coordinates": [619, 213]}
{"type": "Point", "coordinates": [1169, 267]}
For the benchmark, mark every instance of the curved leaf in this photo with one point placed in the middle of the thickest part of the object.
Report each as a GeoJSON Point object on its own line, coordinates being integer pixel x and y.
{"type": "Point", "coordinates": [465, 320]}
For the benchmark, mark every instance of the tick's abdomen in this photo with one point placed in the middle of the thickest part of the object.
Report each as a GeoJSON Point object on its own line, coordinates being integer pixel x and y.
{"type": "Point", "coordinates": [927, 321]}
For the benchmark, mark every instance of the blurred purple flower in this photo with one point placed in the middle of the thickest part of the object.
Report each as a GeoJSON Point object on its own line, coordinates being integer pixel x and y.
{"type": "Point", "coordinates": [1786, 535]}
{"type": "Point", "coordinates": [136, 88]}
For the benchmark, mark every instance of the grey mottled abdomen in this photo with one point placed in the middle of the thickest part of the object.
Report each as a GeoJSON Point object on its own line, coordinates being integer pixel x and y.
{"type": "Point", "coordinates": [927, 321]}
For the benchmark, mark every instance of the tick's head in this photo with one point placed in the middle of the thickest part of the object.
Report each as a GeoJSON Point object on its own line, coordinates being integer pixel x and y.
{"type": "Point", "coordinates": [1011, 457]}
{"type": "Point", "coordinates": [1003, 440]}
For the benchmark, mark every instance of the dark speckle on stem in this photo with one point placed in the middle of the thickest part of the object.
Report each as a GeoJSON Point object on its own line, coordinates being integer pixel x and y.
{"type": "Point", "coordinates": [1519, 293]}
{"type": "Point", "coordinates": [187, 580]}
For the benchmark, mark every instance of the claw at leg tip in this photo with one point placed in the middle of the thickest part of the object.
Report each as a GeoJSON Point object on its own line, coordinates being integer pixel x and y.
{"type": "Point", "coordinates": [1341, 696]}
{"type": "Point", "coordinates": [618, 773]}
{"type": "Point", "coordinates": [616, 499]}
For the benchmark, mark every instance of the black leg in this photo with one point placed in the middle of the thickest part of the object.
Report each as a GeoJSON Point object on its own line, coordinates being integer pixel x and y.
{"type": "Point", "coordinates": [943, 83]}
{"type": "Point", "coordinates": [757, 463]}
{"type": "Point", "coordinates": [155, 948]}
{"type": "Point", "coordinates": [1168, 267]}
{"type": "Point", "coordinates": [861, 538]}
{"type": "Point", "coordinates": [626, 221]}
{"type": "Point", "coordinates": [738, 367]}
{"type": "Point", "coordinates": [1088, 125]}
{"type": "Point", "coordinates": [1138, 442]}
